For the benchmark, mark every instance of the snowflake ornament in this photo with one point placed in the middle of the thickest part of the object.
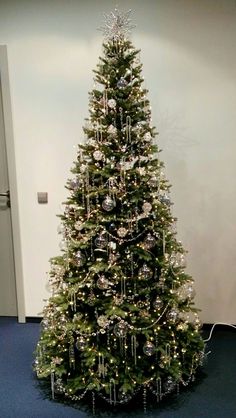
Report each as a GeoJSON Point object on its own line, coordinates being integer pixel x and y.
{"type": "Point", "coordinates": [117, 25]}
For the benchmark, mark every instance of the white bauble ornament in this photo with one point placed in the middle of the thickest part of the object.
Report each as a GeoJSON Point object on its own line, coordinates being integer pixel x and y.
{"type": "Point", "coordinates": [98, 155]}
{"type": "Point", "coordinates": [111, 103]}
{"type": "Point", "coordinates": [103, 321]}
{"type": "Point", "coordinates": [147, 137]}
{"type": "Point", "coordinates": [147, 207]}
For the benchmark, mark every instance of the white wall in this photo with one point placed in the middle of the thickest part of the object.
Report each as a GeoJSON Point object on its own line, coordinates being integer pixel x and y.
{"type": "Point", "coordinates": [188, 52]}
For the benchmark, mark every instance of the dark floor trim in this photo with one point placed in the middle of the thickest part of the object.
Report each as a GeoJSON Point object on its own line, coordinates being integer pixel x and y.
{"type": "Point", "coordinates": [35, 319]}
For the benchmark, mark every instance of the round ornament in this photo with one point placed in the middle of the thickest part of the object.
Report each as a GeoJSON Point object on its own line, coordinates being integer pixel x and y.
{"type": "Point", "coordinates": [189, 290]}
{"type": "Point", "coordinates": [122, 232]}
{"type": "Point", "coordinates": [63, 245]}
{"type": "Point", "coordinates": [102, 283]}
{"type": "Point", "coordinates": [157, 304]}
{"type": "Point", "coordinates": [153, 182]}
{"type": "Point", "coordinates": [45, 323]}
{"type": "Point", "coordinates": [141, 171]}
{"type": "Point", "coordinates": [147, 137]}
{"type": "Point", "coordinates": [173, 315]}
{"type": "Point", "coordinates": [78, 225]}
{"type": "Point", "coordinates": [186, 291]}
{"type": "Point", "coordinates": [149, 348]}
{"type": "Point", "coordinates": [79, 258]}
{"type": "Point", "coordinates": [122, 83]}
{"type": "Point", "coordinates": [147, 207]}
{"type": "Point", "coordinates": [101, 241]}
{"type": "Point", "coordinates": [145, 272]}
{"type": "Point", "coordinates": [112, 130]}
{"type": "Point", "coordinates": [83, 168]}
{"type": "Point", "coordinates": [162, 175]}
{"type": "Point", "coordinates": [165, 199]}
{"type": "Point", "coordinates": [108, 204]}
{"type": "Point", "coordinates": [149, 241]}
{"type": "Point", "coordinates": [120, 329]}
{"type": "Point", "coordinates": [112, 227]}
{"type": "Point", "coordinates": [173, 260]}
{"type": "Point", "coordinates": [181, 260]}
{"type": "Point", "coordinates": [74, 183]}
{"type": "Point", "coordinates": [111, 103]}
{"type": "Point", "coordinates": [103, 321]}
{"type": "Point", "coordinates": [191, 318]}
{"type": "Point", "coordinates": [98, 155]}
{"type": "Point", "coordinates": [177, 260]}
{"type": "Point", "coordinates": [62, 322]}
{"type": "Point", "coordinates": [80, 343]}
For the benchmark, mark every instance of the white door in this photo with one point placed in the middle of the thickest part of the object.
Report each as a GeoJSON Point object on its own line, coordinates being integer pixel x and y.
{"type": "Point", "coordinates": [8, 305]}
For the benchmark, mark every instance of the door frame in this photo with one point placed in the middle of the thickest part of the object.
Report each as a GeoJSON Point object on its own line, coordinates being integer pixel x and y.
{"type": "Point", "coordinates": [11, 162]}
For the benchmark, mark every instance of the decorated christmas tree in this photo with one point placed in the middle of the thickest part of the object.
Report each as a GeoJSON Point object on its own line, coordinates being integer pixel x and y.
{"type": "Point", "coordinates": [121, 317]}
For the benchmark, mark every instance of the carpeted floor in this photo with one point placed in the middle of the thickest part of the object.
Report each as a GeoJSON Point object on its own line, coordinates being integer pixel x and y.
{"type": "Point", "coordinates": [20, 397]}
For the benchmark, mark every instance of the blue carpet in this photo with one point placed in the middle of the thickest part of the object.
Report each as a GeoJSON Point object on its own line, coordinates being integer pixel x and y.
{"type": "Point", "coordinates": [20, 397]}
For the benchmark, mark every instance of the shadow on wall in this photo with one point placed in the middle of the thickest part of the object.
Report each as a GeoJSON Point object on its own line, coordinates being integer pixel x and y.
{"type": "Point", "coordinates": [209, 25]}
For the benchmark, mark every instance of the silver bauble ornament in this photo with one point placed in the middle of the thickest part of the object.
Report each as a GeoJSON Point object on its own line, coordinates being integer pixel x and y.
{"type": "Point", "coordinates": [149, 241]}
{"type": "Point", "coordinates": [157, 304]}
{"type": "Point", "coordinates": [74, 183]}
{"type": "Point", "coordinates": [58, 270]}
{"type": "Point", "coordinates": [102, 283]}
{"type": "Point", "coordinates": [173, 315]}
{"type": "Point", "coordinates": [101, 241]}
{"type": "Point", "coordinates": [120, 329]}
{"type": "Point", "coordinates": [80, 343]}
{"type": "Point", "coordinates": [45, 323]}
{"type": "Point", "coordinates": [122, 83]}
{"type": "Point", "coordinates": [149, 348]}
{"type": "Point", "coordinates": [79, 258]}
{"type": "Point", "coordinates": [78, 225]}
{"type": "Point", "coordinates": [83, 168]}
{"type": "Point", "coordinates": [108, 204]}
{"type": "Point", "coordinates": [186, 291]}
{"type": "Point", "coordinates": [62, 322]}
{"type": "Point", "coordinates": [145, 272]}
{"type": "Point", "coordinates": [181, 260]}
{"type": "Point", "coordinates": [63, 245]}
{"type": "Point", "coordinates": [103, 321]}
{"type": "Point", "coordinates": [153, 182]}
{"type": "Point", "coordinates": [177, 260]}
{"type": "Point", "coordinates": [165, 199]}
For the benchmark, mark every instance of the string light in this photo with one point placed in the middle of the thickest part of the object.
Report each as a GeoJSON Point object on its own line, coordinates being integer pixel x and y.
{"type": "Point", "coordinates": [108, 330]}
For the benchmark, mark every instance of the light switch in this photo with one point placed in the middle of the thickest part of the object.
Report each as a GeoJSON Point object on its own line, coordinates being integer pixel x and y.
{"type": "Point", "coordinates": [42, 197]}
